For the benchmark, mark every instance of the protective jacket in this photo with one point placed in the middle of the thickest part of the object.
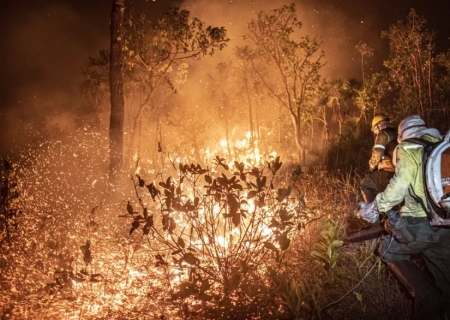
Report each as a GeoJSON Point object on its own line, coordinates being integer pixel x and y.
{"type": "Point", "coordinates": [407, 183]}
{"type": "Point", "coordinates": [383, 149]}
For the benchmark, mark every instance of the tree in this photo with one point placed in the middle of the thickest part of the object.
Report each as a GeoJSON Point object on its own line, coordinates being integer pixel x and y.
{"type": "Point", "coordinates": [411, 64]}
{"type": "Point", "coordinates": [116, 89]}
{"type": "Point", "coordinates": [365, 51]}
{"type": "Point", "coordinates": [337, 95]}
{"type": "Point", "coordinates": [154, 50]}
{"type": "Point", "coordinates": [245, 55]}
{"type": "Point", "coordinates": [296, 63]}
{"type": "Point", "coordinates": [220, 90]}
{"type": "Point", "coordinates": [154, 55]}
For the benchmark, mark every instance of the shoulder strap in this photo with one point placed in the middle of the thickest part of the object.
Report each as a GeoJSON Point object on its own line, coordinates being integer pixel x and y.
{"type": "Point", "coordinates": [428, 147]}
{"type": "Point", "coordinates": [419, 141]}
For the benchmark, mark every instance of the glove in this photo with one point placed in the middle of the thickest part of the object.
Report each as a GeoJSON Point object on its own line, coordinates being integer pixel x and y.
{"type": "Point", "coordinates": [373, 166]}
{"type": "Point", "coordinates": [368, 211]}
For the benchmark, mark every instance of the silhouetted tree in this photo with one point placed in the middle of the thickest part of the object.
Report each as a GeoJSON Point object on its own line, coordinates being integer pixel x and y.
{"type": "Point", "coordinates": [296, 63]}
{"type": "Point", "coordinates": [411, 64]}
{"type": "Point", "coordinates": [116, 89]}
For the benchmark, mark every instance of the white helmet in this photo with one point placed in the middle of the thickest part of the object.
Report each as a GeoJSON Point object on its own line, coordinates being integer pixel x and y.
{"type": "Point", "coordinates": [410, 124]}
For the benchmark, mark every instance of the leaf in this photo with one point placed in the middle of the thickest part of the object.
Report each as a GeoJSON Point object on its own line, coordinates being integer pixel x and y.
{"type": "Point", "coordinates": [129, 208]}
{"type": "Point", "coordinates": [337, 243]}
{"type": "Point", "coordinates": [190, 258]}
{"type": "Point", "coordinates": [274, 224]}
{"type": "Point", "coordinates": [165, 222]}
{"type": "Point", "coordinates": [251, 194]}
{"type": "Point", "coordinates": [223, 181]}
{"type": "Point", "coordinates": [284, 241]}
{"type": "Point", "coordinates": [141, 181]}
{"type": "Point", "coordinates": [150, 221]}
{"type": "Point", "coordinates": [284, 215]}
{"type": "Point", "coordinates": [132, 230]}
{"type": "Point", "coordinates": [172, 225]}
{"type": "Point", "coordinates": [135, 224]}
{"type": "Point", "coordinates": [358, 296]}
{"type": "Point", "coordinates": [205, 285]}
{"type": "Point", "coordinates": [152, 190]}
{"type": "Point", "coordinates": [283, 193]}
{"type": "Point", "coordinates": [270, 246]}
{"type": "Point", "coordinates": [146, 229]}
{"type": "Point", "coordinates": [237, 186]}
{"type": "Point", "coordinates": [233, 203]}
{"type": "Point", "coordinates": [208, 179]}
{"type": "Point", "coordinates": [236, 219]}
{"type": "Point", "coordinates": [181, 242]}
{"type": "Point", "coordinates": [261, 201]}
{"type": "Point", "coordinates": [320, 255]}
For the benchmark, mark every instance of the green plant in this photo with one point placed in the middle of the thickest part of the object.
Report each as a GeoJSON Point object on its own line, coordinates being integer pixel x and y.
{"type": "Point", "coordinates": [326, 249]}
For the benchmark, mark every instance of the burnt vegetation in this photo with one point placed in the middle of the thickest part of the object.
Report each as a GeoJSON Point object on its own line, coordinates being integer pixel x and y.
{"type": "Point", "coordinates": [233, 197]}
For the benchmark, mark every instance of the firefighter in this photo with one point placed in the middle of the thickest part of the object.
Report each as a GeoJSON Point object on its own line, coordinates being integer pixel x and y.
{"type": "Point", "coordinates": [380, 163]}
{"type": "Point", "coordinates": [411, 233]}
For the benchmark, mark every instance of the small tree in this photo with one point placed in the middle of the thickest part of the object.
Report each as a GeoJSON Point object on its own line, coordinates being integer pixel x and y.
{"type": "Point", "coordinates": [297, 63]}
{"type": "Point", "coordinates": [365, 51]}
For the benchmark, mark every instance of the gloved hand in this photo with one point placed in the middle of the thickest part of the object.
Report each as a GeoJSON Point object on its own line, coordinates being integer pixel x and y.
{"type": "Point", "coordinates": [368, 211]}
{"type": "Point", "coordinates": [373, 166]}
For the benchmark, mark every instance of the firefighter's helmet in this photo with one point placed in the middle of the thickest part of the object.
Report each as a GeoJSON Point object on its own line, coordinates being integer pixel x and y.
{"type": "Point", "coordinates": [377, 119]}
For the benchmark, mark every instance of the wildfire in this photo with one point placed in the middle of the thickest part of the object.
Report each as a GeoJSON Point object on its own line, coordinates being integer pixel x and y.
{"type": "Point", "coordinates": [121, 271]}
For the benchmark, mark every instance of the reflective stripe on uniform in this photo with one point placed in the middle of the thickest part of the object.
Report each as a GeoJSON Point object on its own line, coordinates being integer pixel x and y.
{"type": "Point", "coordinates": [379, 146]}
{"type": "Point", "coordinates": [413, 146]}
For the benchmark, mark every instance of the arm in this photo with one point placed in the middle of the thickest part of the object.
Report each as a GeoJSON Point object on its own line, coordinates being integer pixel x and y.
{"type": "Point", "coordinates": [398, 186]}
{"type": "Point", "coordinates": [381, 140]}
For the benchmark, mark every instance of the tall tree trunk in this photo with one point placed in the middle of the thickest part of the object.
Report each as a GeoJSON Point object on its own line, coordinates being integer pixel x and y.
{"type": "Point", "coordinates": [227, 136]}
{"type": "Point", "coordinates": [279, 126]}
{"type": "Point", "coordinates": [298, 139]}
{"type": "Point", "coordinates": [258, 136]}
{"type": "Point", "coordinates": [250, 112]}
{"type": "Point", "coordinates": [116, 90]}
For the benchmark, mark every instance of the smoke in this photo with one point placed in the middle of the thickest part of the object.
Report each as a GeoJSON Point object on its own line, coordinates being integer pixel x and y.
{"type": "Point", "coordinates": [45, 43]}
{"type": "Point", "coordinates": [339, 31]}
{"type": "Point", "coordinates": [44, 46]}
{"type": "Point", "coordinates": [341, 25]}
